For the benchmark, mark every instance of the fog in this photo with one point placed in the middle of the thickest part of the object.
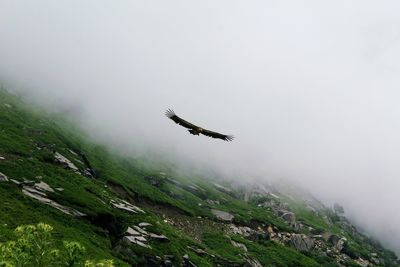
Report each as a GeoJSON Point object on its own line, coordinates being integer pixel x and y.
{"type": "Point", "coordinates": [309, 89]}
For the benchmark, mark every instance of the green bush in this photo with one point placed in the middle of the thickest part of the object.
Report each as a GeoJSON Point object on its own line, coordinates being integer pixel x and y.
{"type": "Point", "coordinates": [35, 246]}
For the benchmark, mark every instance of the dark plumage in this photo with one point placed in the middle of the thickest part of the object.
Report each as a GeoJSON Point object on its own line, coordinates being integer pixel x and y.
{"type": "Point", "coordinates": [194, 129]}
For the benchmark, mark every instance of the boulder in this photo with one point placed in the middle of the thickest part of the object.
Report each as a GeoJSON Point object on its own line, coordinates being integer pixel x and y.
{"type": "Point", "coordinates": [3, 177]}
{"type": "Point", "coordinates": [362, 262]}
{"type": "Point", "coordinates": [44, 187]}
{"type": "Point", "coordinates": [222, 215]}
{"type": "Point", "coordinates": [155, 181]}
{"type": "Point", "coordinates": [38, 192]}
{"type": "Point", "coordinates": [213, 202]}
{"type": "Point", "coordinates": [161, 238]}
{"type": "Point", "coordinates": [224, 189]}
{"type": "Point", "coordinates": [66, 163]}
{"type": "Point", "coordinates": [251, 262]}
{"type": "Point", "coordinates": [135, 240]}
{"type": "Point", "coordinates": [289, 217]}
{"type": "Point", "coordinates": [126, 206]}
{"type": "Point", "coordinates": [337, 242]}
{"type": "Point", "coordinates": [241, 230]}
{"type": "Point", "coordinates": [186, 261]}
{"type": "Point", "coordinates": [239, 245]}
{"type": "Point", "coordinates": [144, 224]}
{"type": "Point", "coordinates": [301, 242]}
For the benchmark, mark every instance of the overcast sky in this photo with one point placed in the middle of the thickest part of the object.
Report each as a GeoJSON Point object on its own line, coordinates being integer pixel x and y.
{"type": "Point", "coordinates": [310, 89]}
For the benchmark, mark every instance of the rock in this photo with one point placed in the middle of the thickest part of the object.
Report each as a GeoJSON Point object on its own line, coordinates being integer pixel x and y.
{"type": "Point", "coordinates": [3, 177]}
{"type": "Point", "coordinates": [253, 263]}
{"type": "Point", "coordinates": [362, 262]}
{"type": "Point", "coordinates": [161, 238]}
{"type": "Point", "coordinates": [301, 242]}
{"type": "Point", "coordinates": [289, 217]}
{"type": "Point", "coordinates": [39, 194]}
{"type": "Point", "coordinates": [241, 230]}
{"type": "Point", "coordinates": [133, 232]}
{"type": "Point", "coordinates": [213, 202]}
{"type": "Point", "coordinates": [136, 241]}
{"type": "Point", "coordinates": [198, 251]}
{"type": "Point", "coordinates": [124, 205]}
{"type": "Point", "coordinates": [7, 105]}
{"type": "Point", "coordinates": [239, 245]}
{"type": "Point", "coordinates": [337, 242]}
{"type": "Point", "coordinates": [155, 181]}
{"type": "Point", "coordinates": [224, 189]}
{"type": "Point", "coordinates": [186, 261]}
{"type": "Point", "coordinates": [222, 215]}
{"type": "Point", "coordinates": [140, 230]}
{"type": "Point", "coordinates": [15, 181]}
{"type": "Point", "coordinates": [2, 158]}
{"type": "Point", "coordinates": [144, 224]}
{"type": "Point", "coordinates": [60, 189]}
{"type": "Point", "coordinates": [44, 187]}
{"type": "Point", "coordinates": [65, 162]}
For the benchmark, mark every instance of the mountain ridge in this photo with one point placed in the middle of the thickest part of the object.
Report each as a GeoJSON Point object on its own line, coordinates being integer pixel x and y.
{"type": "Point", "coordinates": [146, 214]}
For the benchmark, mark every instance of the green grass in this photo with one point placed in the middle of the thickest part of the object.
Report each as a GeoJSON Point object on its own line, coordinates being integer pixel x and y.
{"type": "Point", "coordinates": [24, 128]}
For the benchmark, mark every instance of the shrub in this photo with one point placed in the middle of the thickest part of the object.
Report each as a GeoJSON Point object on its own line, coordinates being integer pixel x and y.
{"type": "Point", "coordinates": [35, 246]}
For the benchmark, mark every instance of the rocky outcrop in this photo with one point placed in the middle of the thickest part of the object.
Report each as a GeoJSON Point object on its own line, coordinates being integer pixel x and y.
{"type": "Point", "coordinates": [126, 206]}
{"type": "Point", "coordinates": [224, 189]}
{"type": "Point", "coordinates": [66, 163]}
{"type": "Point", "coordinates": [241, 230]}
{"type": "Point", "coordinates": [301, 242]}
{"type": "Point", "coordinates": [222, 215]}
{"type": "Point", "coordinates": [239, 245]}
{"type": "Point", "coordinates": [186, 261]}
{"type": "Point", "coordinates": [38, 192]}
{"type": "Point", "coordinates": [139, 236]}
{"type": "Point", "coordinates": [362, 262]}
{"type": "Point", "coordinates": [3, 177]}
{"type": "Point", "coordinates": [337, 242]}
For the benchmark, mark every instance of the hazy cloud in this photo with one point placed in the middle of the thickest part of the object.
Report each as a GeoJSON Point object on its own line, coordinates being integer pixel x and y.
{"type": "Point", "coordinates": [310, 89]}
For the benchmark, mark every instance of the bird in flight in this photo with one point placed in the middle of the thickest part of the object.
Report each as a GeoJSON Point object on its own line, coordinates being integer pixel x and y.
{"type": "Point", "coordinates": [194, 129]}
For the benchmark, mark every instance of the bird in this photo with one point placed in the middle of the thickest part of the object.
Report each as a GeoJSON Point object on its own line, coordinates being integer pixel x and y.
{"type": "Point", "coordinates": [194, 129]}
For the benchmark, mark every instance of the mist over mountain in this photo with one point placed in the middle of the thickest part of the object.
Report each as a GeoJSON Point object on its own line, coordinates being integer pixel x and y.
{"type": "Point", "coordinates": [308, 89]}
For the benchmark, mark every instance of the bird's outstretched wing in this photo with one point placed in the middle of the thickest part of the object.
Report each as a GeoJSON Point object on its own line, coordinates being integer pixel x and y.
{"type": "Point", "coordinates": [171, 114]}
{"type": "Point", "coordinates": [217, 135]}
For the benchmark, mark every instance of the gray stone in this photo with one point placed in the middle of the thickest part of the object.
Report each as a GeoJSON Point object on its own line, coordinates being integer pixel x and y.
{"type": "Point", "coordinates": [289, 217]}
{"type": "Point", "coordinates": [223, 189]}
{"type": "Point", "coordinates": [239, 245]}
{"type": "Point", "coordinates": [222, 215]}
{"type": "Point", "coordinates": [213, 202]}
{"type": "Point", "coordinates": [39, 195]}
{"type": "Point", "coordinates": [124, 205]}
{"type": "Point", "coordinates": [301, 242]}
{"type": "Point", "coordinates": [144, 224]}
{"type": "Point", "coordinates": [15, 181]}
{"type": "Point", "coordinates": [133, 232]}
{"type": "Point", "coordinates": [161, 238]}
{"type": "Point", "coordinates": [65, 162]}
{"type": "Point", "coordinates": [253, 262]}
{"type": "Point", "coordinates": [44, 187]}
{"type": "Point", "coordinates": [3, 177]}
{"type": "Point", "coordinates": [134, 240]}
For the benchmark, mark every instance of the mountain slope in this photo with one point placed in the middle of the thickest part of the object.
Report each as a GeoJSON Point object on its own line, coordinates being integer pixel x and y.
{"type": "Point", "coordinates": [141, 213]}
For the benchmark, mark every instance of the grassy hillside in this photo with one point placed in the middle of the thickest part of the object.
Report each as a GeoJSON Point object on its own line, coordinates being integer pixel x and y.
{"type": "Point", "coordinates": [189, 221]}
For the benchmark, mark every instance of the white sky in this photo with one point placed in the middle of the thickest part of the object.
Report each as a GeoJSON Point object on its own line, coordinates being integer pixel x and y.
{"type": "Point", "coordinates": [309, 89]}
